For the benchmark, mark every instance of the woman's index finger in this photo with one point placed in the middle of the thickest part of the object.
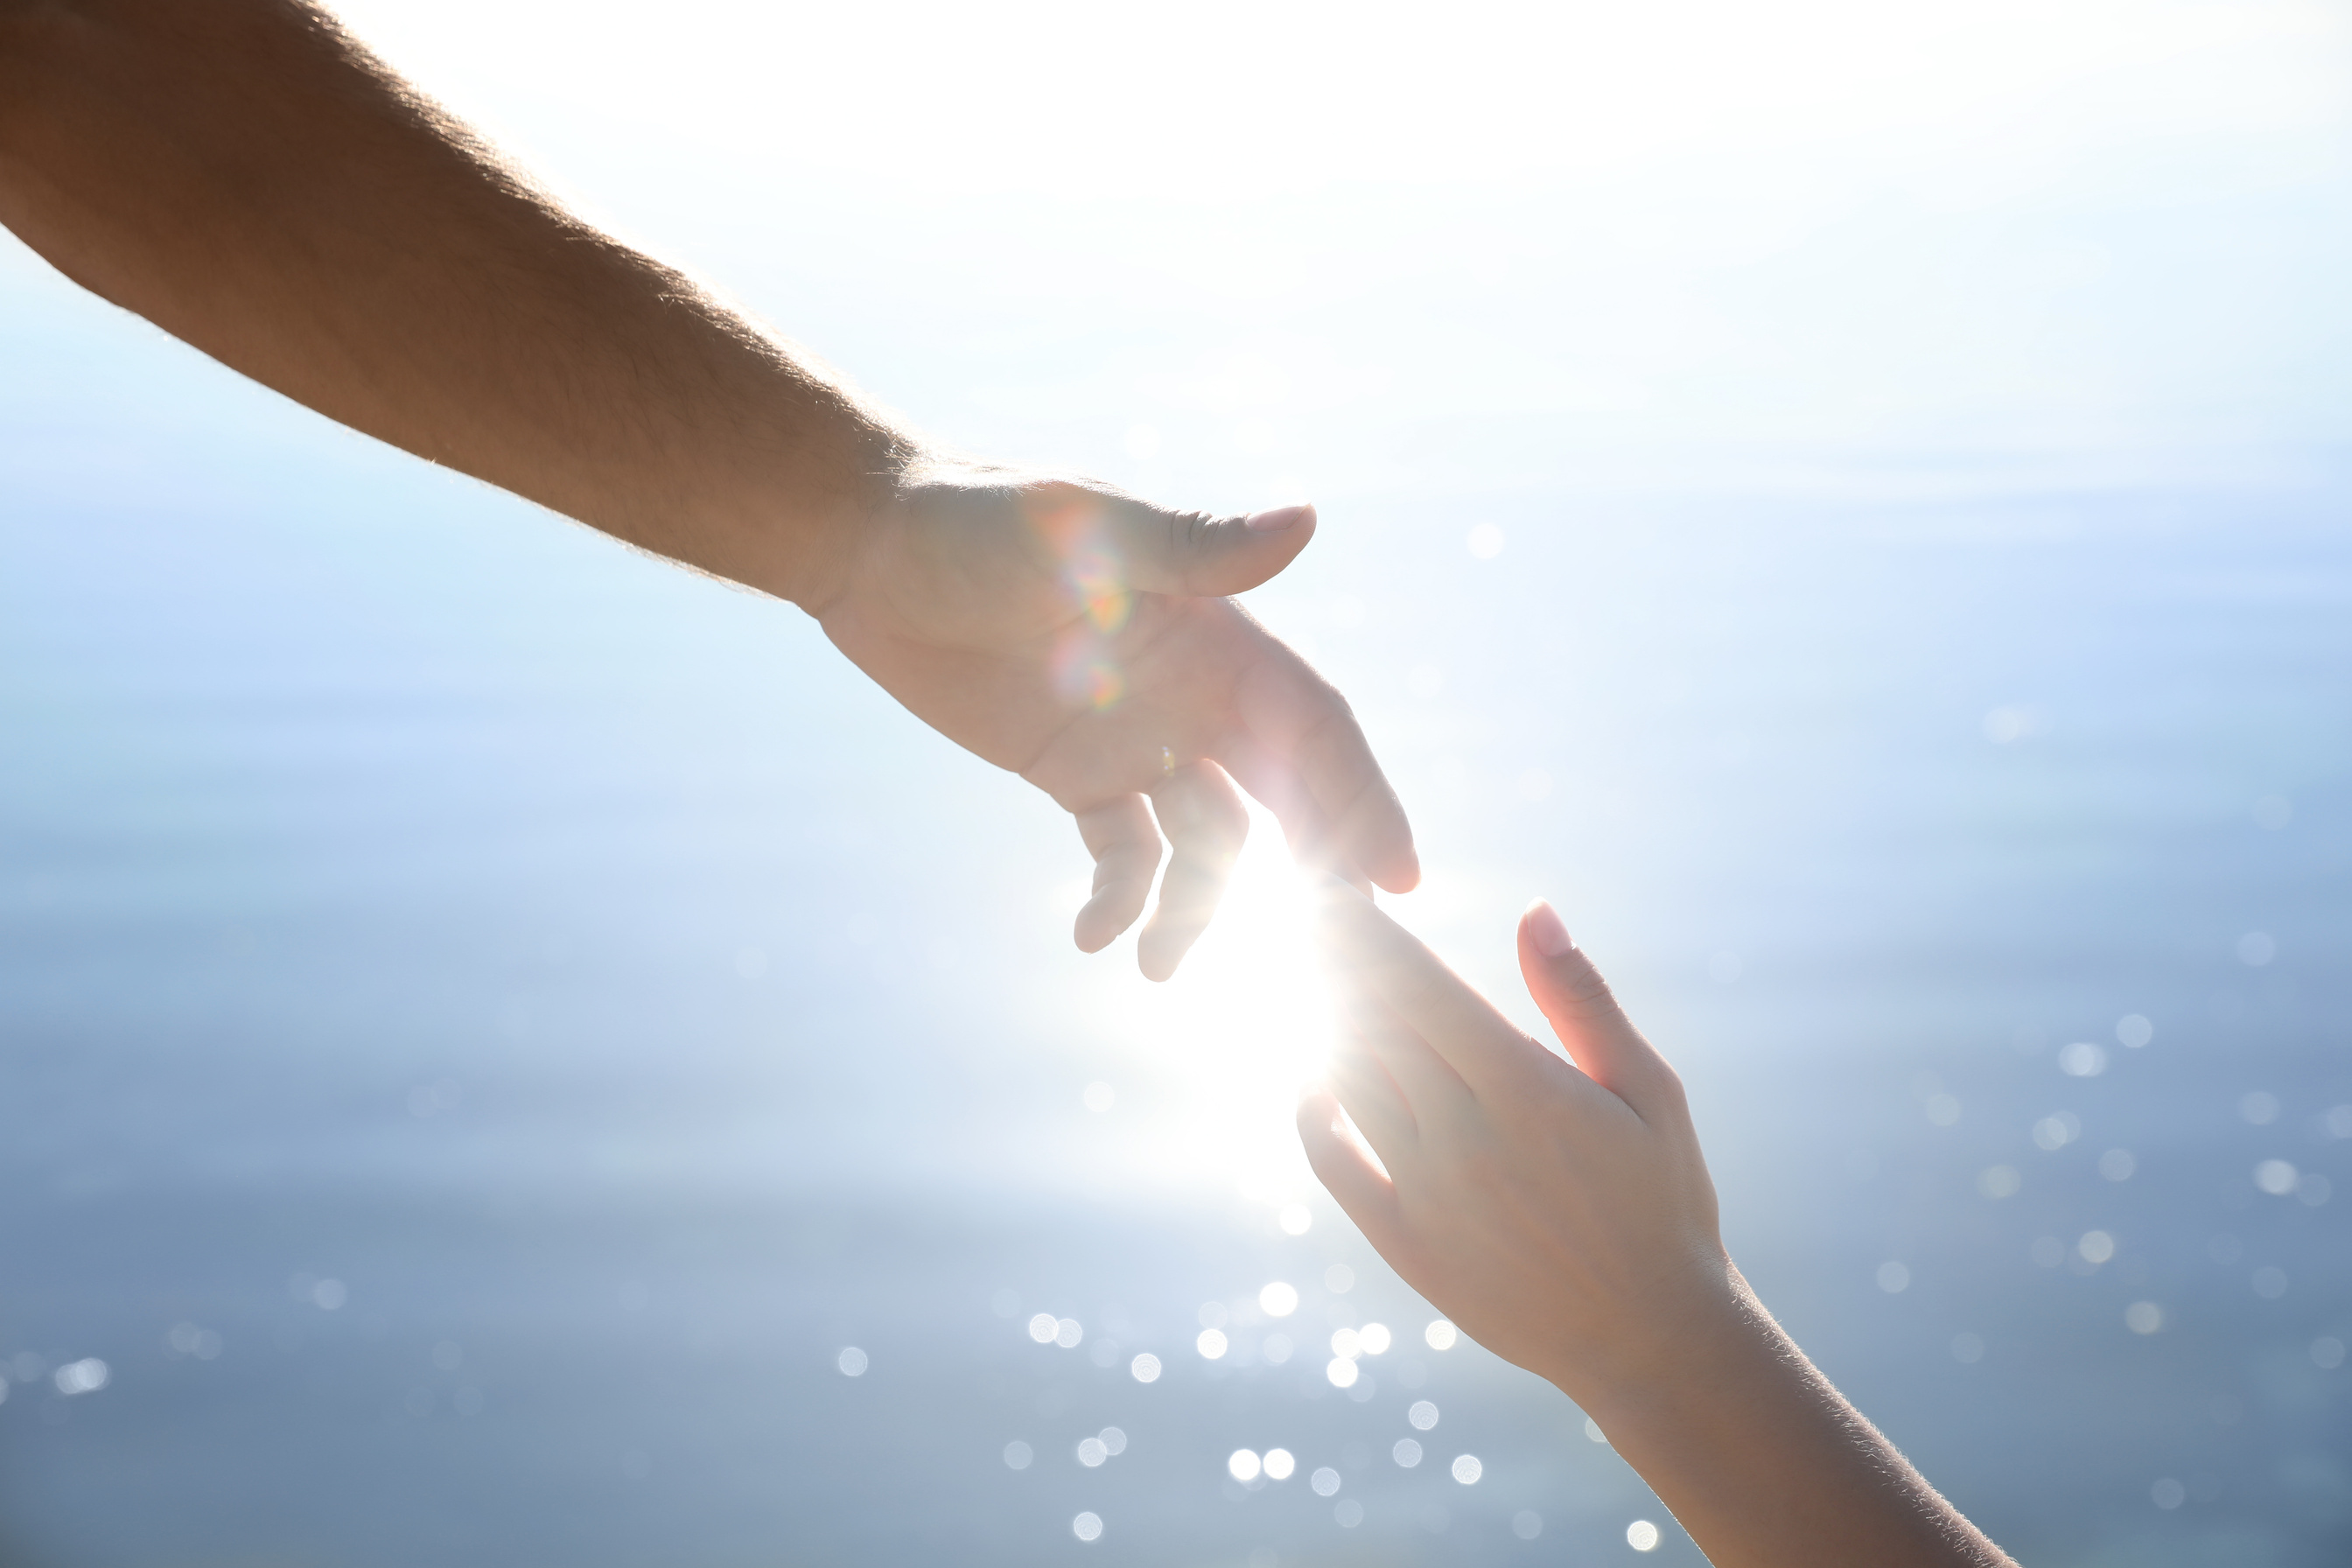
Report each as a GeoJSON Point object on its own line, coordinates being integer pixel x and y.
{"type": "Point", "coordinates": [1461, 1026]}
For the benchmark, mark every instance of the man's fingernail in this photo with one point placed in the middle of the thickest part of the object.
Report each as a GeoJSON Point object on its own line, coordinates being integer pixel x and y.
{"type": "Point", "coordinates": [1548, 930]}
{"type": "Point", "coordinates": [1278, 519]}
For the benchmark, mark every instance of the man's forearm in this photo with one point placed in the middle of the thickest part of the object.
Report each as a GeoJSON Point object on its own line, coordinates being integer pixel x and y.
{"type": "Point", "coordinates": [246, 177]}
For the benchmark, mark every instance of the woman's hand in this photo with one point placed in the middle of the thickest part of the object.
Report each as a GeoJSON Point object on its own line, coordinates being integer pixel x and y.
{"type": "Point", "coordinates": [1561, 1213]}
{"type": "Point", "coordinates": [1083, 639]}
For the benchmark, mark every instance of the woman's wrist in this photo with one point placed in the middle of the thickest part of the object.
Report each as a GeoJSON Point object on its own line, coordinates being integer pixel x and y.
{"type": "Point", "coordinates": [1679, 1339]}
{"type": "Point", "coordinates": [1764, 1462]}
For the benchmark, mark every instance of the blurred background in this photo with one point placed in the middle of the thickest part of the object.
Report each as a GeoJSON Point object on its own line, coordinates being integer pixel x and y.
{"type": "Point", "coordinates": [511, 1052]}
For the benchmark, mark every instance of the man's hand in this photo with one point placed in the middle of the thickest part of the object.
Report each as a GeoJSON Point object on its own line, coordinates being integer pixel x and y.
{"type": "Point", "coordinates": [247, 176]}
{"type": "Point", "coordinates": [1082, 638]}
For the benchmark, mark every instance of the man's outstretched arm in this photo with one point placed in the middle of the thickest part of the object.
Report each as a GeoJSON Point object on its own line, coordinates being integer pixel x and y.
{"type": "Point", "coordinates": [246, 175]}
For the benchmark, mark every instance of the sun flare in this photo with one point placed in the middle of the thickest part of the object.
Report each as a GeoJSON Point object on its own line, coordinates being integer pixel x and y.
{"type": "Point", "coordinates": [1231, 1041]}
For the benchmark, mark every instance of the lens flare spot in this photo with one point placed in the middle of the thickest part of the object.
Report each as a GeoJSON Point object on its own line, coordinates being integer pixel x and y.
{"type": "Point", "coordinates": [1084, 674]}
{"type": "Point", "coordinates": [85, 1376]}
{"type": "Point", "coordinates": [1096, 581]}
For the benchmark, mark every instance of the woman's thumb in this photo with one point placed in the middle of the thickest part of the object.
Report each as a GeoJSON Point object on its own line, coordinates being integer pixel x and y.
{"type": "Point", "coordinates": [1584, 1014]}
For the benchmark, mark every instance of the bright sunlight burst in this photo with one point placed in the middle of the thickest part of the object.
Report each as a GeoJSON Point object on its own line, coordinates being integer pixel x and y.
{"type": "Point", "coordinates": [1226, 1046]}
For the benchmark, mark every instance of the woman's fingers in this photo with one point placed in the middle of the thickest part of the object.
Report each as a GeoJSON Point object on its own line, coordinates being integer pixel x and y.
{"type": "Point", "coordinates": [1206, 823]}
{"type": "Point", "coordinates": [1434, 1092]}
{"type": "Point", "coordinates": [1584, 1012]}
{"type": "Point", "coordinates": [1374, 1100]}
{"type": "Point", "coordinates": [1125, 843]}
{"type": "Point", "coordinates": [1348, 1173]}
{"type": "Point", "coordinates": [1382, 958]}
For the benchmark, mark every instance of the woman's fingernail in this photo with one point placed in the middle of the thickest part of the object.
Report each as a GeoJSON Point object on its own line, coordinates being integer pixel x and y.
{"type": "Point", "coordinates": [1548, 930]}
{"type": "Point", "coordinates": [1276, 520]}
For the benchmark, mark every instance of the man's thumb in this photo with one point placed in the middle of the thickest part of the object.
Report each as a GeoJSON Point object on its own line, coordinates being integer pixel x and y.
{"type": "Point", "coordinates": [1203, 556]}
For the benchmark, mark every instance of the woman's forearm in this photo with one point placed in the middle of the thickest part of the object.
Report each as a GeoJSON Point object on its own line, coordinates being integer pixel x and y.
{"type": "Point", "coordinates": [1766, 1465]}
{"type": "Point", "coordinates": [245, 175]}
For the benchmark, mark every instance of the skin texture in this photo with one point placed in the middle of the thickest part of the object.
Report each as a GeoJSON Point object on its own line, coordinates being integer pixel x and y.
{"type": "Point", "coordinates": [247, 176]}
{"type": "Point", "coordinates": [1560, 1212]}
